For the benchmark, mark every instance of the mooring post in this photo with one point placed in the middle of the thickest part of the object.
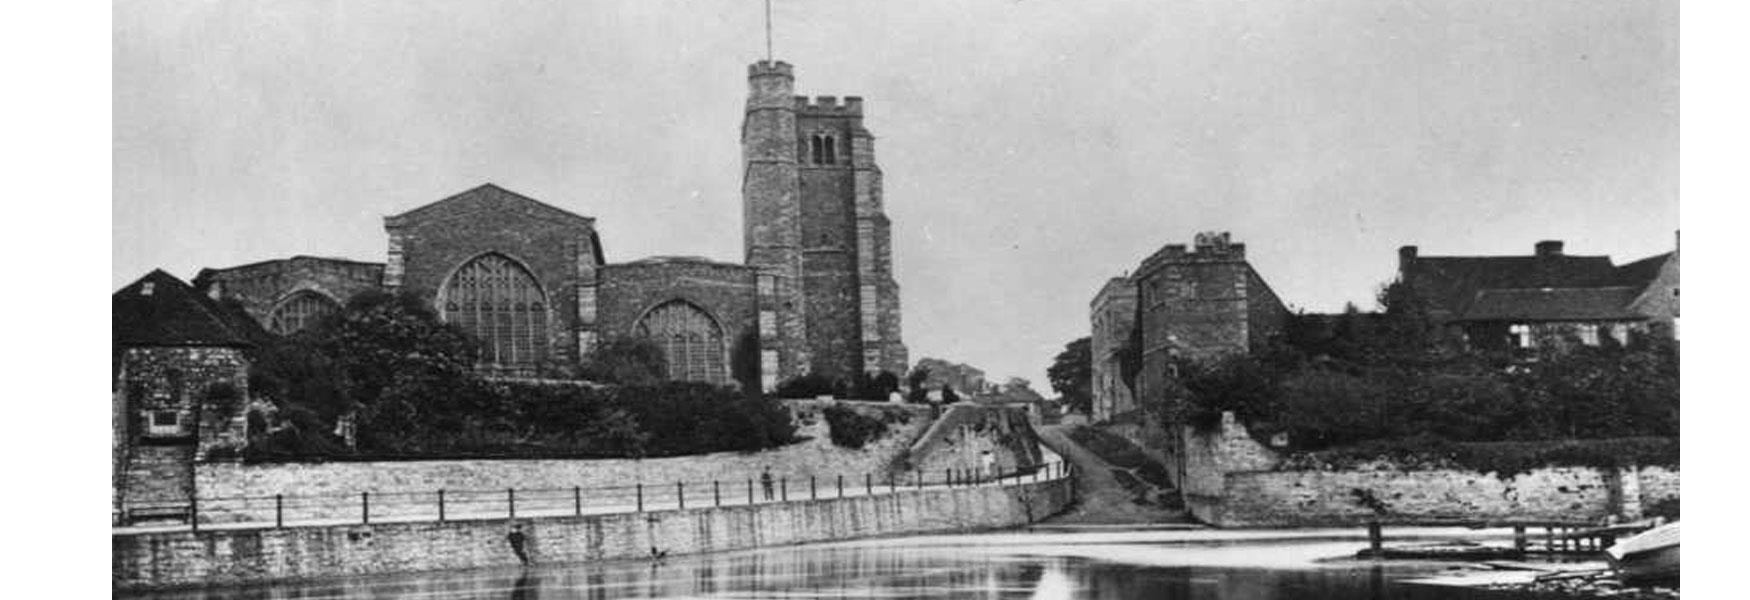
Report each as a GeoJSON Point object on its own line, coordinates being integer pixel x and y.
{"type": "Point", "coordinates": [440, 505]}
{"type": "Point", "coordinates": [577, 498]}
{"type": "Point", "coordinates": [365, 506]}
{"type": "Point", "coordinates": [279, 511]}
{"type": "Point", "coordinates": [639, 488]}
{"type": "Point", "coordinates": [510, 501]}
{"type": "Point", "coordinates": [1375, 537]}
{"type": "Point", "coordinates": [716, 494]}
{"type": "Point", "coordinates": [1519, 538]}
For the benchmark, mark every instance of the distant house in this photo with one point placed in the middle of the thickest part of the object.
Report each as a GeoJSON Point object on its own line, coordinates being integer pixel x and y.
{"type": "Point", "coordinates": [1549, 297]}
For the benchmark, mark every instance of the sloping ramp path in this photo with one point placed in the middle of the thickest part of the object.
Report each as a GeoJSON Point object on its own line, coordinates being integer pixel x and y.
{"type": "Point", "coordinates": [1102, 499]}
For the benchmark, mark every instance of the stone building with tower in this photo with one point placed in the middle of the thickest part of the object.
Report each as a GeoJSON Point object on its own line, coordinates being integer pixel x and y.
{"type": "Point", "coordinates": [1195, 303]}
{"type": "Point", "coordinates": [531, 282]}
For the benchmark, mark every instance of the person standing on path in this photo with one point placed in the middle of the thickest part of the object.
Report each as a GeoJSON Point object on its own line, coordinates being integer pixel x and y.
{"type": "Point", "coordinates": [766, 483]}
{"type": "Point", "coordinates": [517, 539]}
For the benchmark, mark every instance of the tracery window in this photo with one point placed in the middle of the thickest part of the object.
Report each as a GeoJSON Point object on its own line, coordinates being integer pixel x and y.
{"type": "Point", "coordinates": [691, 341]}
{"type": "Point", "coordinates": [299, 312]}
{"type": "Point", "coordinates": [502, 305]}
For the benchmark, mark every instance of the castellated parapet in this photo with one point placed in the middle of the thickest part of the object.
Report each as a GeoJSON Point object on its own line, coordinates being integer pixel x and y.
{"type": "Point", "coordinates": [816, 229]}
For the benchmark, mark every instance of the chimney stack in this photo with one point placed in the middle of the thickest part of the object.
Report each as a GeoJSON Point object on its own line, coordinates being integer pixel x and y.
{"type": "Point", "coordinates": [1406, 256]}
{"type": "Point", "coordinates": [1549, 248]}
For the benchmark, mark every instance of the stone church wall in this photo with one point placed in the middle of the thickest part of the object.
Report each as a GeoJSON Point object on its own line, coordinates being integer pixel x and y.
{"type": "Point", "coordinates": [260, 287]}
{"type": "Point", "coordinates": [435, 240]}
{"type": "Point", "coordinates": [726, 291]}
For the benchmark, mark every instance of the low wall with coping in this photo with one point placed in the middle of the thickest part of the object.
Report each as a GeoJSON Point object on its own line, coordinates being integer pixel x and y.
{"type": "Point", "coordinates": [232, 491]}
{"type": "Point", "coordinates": [235, 556]}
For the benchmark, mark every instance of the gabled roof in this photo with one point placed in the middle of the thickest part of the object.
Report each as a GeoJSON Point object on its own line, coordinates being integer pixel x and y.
{"type": "Point", "coordinates": [1641, 272]}
{"type": "Point", "coordinates": [161, 310]}
{"type": "Point", "coordinates": [1452, 282]}
{"type": "Point", "coordinates": [1553, 304]}
{"type": "Point", "coordinates": [490, 197]}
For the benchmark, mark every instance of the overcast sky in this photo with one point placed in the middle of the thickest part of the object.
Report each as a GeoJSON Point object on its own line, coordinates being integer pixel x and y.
{"type": "Point", "coordinates": [1031, 148]}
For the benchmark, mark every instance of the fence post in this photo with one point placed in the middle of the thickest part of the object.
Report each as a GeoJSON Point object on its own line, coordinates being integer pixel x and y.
{"type": "Point", "coordinates": [440, 505]}
{"type": "Point", "coordinates": [841, 485]}
{"type": "Point", "coordinates": [640, 496]}
{"type": "Point", "coordinates": [194, 515]}
{"type": "Point", "coordinates": [868, 484]}
{"type": "Point", "coordinates": [750, 491]}
{"type": "Point", "coordinates": [365, 506]}
{"type": "Point", "coordinates": [510, 500]}
{"type": "Point", "coordinates": [1519, 538]}
{"type": "Point", "coordinates": [892, 482]}
{"type": "Point", "coordinates": [783, 489]}
{"type": "Point", "coordinates": [716, 494]}
{"type": "Point", "coordinates": [812, 491]}
{"type": "Point", "coordinates": [279, 511]}
{"type": "Point", "coordinates": [577, 498]}
{"type": "Point", "coordinates": [948, 476]}
{"type": "Point", "coordinates": [1375, 537]}
{"type": "Point", "coordinates": [920, 477]}
{"type": "Point", "coordinates": [680, 495]}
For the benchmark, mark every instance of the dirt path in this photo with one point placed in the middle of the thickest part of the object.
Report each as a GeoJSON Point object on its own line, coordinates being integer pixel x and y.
{"type": "Point", "coordinates": [1102, 499]}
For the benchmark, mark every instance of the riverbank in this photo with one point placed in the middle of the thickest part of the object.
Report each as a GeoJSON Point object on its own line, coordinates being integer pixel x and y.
{"type": "Point", "coordinates": [168, 559]}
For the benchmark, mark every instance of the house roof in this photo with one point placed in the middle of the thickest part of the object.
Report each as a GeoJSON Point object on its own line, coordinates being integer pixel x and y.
{"type": "Point", "coordinates": [1553, 304]}
{"type": "Point", "coordinates": [1453, 282]}
{"type": "Point", "coordinates": [161, 310]}
{"type": "Point", "coordinates": [1641, 272]}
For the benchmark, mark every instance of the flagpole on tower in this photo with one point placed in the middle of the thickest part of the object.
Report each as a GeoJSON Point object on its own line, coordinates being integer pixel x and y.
{"type": "Point", "coordinates": [768, 30]}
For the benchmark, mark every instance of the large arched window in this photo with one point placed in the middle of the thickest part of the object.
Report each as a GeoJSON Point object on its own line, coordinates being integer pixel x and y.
{"type": "Point", "coordinates": [300, 311]}
{"type": "Point", "coordinates": [690, 339]}
{"type": "Point", "coordinates": [499, 302]}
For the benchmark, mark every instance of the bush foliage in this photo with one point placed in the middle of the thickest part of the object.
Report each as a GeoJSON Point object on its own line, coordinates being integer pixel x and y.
{"type": "Point", "coordinates": [852, 429]}
{"type": "Point", "coordinates": [1395, 376]}
{"type": "Point", "coordinates": [405, 378]}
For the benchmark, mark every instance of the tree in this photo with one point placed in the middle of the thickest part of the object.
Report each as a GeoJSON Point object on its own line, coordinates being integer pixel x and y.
{"type": "Point", "coordinates": [915, 383]}
{"type": "Point", "coordinates": [744, 363]}
{"type": "Point", "coordinates": [1072, 375]}
{"type": "Point", "coordinates": [949, 396]}
{"type": "Point", "coordinates": [626, 361]}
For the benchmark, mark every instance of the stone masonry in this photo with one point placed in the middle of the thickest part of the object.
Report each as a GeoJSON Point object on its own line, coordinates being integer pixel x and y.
{"type": "Point", "coordinates": [1114, 322]}
{"type": "Point", "coordinates": [817, 229]}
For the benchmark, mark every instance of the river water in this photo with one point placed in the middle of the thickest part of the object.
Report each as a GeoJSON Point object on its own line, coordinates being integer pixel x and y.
{"type": "Point", "coordinates": [1171, 564]}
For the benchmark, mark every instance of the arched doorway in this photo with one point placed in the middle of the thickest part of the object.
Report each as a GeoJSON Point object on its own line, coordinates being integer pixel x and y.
{"type": "Point", "coordinates": [500, 303]}
{"type": "Point", "coordinates": [691, 341]}
{"type": "Point", "coordinates": [299, 311]}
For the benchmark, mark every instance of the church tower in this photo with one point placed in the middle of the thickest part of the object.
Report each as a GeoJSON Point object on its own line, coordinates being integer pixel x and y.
{"type": "Point", "coordinates": [815, 227]}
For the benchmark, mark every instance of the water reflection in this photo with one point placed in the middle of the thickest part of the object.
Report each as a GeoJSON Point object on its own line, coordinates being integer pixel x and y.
{"type": "Point", "coordinates": [1038, 570]}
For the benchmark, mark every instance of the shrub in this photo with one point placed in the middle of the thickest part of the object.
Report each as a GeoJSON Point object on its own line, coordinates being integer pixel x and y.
{"type": "Point", "coordinates": [852, 429]}
{"type": "Point", "coordinates": [807, 386]}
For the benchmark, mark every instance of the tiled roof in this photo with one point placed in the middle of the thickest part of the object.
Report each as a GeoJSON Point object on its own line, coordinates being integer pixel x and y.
{"type": "Point", "coordinates": [1553, 304]}
{"type": "Point", "coordinates": [161, 310]}
{"type": "Point", "coordinates": [1641, 272]}
{"type": "Point", "coordinates": [1452, 282]}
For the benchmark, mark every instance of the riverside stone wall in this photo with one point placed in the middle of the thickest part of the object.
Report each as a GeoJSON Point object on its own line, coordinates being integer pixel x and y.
{"type": "Point", "coordinates": [236, 556]}
{"type": "Point", "coordinates": [1302, 498]}
{"type": "Point", "coordinates": [408, 488]}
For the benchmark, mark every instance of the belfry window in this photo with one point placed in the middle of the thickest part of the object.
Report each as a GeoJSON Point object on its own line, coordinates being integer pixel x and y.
{"type": "Point", "coordinates": [299, 312]}
{"type": "Point", "coordinates": [691, 341]}
{"type": "Point", "coordinates": [500, 303]}
{"type": "Point", "coordinates": [823, 149]}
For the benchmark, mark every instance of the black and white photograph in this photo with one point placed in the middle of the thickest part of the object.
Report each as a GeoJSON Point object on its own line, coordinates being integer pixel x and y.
{"type": "Point", "coordinates": [1020, 299]}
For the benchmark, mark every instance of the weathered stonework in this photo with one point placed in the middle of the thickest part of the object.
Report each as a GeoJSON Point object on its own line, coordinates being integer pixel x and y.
{"type": "Point", "coordinates": [815, 224]}
{"type": "Point", "coordinates": [264, 286]}
{"type": "Point", "coordinates": [221, 557]}
{"type": "Point", "coordinates": [1114, 320]}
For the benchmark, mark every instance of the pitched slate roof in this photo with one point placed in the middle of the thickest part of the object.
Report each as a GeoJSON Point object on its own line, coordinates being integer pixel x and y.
{"type": "Point", "coordinates": [1553, 304]}
{"type": "Point", "coordinates": [161, 310]}
{"type": "Point", "coordinates": [1642, 272]}
{"type": "Point", "coordinates": [1452, 282]}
